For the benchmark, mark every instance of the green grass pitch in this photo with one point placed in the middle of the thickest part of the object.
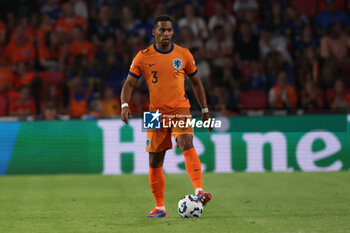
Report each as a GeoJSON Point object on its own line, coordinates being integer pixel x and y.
{"type": "Point", "coordinates": [260, 202]}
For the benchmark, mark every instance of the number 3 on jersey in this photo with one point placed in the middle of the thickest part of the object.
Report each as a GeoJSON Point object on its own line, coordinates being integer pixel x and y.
{"type": "Point", "coordinates": [155, 78]}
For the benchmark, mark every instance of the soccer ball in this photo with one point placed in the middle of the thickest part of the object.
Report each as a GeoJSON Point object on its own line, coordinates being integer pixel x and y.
{"type": "Point", "coordinates": [190, 207]}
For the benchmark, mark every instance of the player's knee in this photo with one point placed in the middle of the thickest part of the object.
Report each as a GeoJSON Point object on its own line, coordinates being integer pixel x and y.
{"type": "Point", "coordinates": [156, 160]}
{"type": "Point", "coordinates": [185, 142]}
{"type": "Point", "coordinates": [155, 164]}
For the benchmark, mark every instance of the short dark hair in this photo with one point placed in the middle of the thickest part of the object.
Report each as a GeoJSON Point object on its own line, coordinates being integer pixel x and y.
{"type": "Point", "coordinates": [161, 18]}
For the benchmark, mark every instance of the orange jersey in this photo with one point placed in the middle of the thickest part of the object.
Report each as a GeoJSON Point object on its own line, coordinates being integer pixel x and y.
{"type": "Point", "coordinates": [41, 34]}
{"type": "Point", "coordinates": [111, 107]}
{"type": "Point", "coordinates": [22, 105]}
{"type": "Point", "coordinates": [85, 48]}
{"type": "Point", "coordinates": [46, 53]}
{"type": "Point", "coordinates": [6, 77]}
{"type": "Point", "coordinates": [15, 53]}
{"type": "Point", "coordinates": [66, 25]}
{"type": "Point", "coordinates": [164, 73]}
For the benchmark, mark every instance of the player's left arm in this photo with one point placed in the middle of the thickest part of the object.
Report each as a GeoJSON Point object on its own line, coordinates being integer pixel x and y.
{"type": "Point", "coordinates": [199, 92]}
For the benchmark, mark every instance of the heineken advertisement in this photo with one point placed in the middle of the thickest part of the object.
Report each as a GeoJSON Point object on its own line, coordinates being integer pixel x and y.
{"type": "Point", "coordinates": [242, 144]}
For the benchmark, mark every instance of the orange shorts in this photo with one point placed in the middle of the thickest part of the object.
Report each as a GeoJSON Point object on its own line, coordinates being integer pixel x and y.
{"type": "Point", "coordinates": [159, 140]}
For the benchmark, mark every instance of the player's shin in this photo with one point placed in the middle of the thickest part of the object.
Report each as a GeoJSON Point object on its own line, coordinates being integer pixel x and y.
{"type": "Point", "coordinates": [193, 168]}
{"type": "Point", "coordinates": [157, 183]}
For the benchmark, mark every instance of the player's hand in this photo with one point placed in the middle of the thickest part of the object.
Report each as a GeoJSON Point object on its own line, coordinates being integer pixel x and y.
{"type": "Point", "coordinates": [206, 116]}
{"type": "Point", "coordinates": [126, 114]}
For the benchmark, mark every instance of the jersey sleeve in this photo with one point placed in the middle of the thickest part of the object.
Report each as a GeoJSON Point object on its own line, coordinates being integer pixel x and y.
{"type": "Point", "coordinates": [136, 66]}
{"type": "Point", "coordinates": [190, 68]}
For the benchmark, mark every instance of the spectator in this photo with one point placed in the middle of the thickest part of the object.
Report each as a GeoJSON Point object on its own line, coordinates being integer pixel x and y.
{"type": "Point", "coordinates": [80, 8]}
{"type": "Point", "coordinates": [334, 54]}
{"type": "Point", "coordinates": [229, 75]}
{"type": "Point", "coordinates": [203, 66]}
{"type": "Point", "coordinates": [209, 7]}
{"type": "Point", "coordinates": [341, 99]}
{"type": "Point", "coordinates": [187, 39]}
{"type": "Point", "coordinates": [133, 29]}
{"type": "Point", "coordinates": [112, 73]}
{"type": "Point", "coordinates": [335, 44]}
{"type": "Point", "coordinates": [65, 25]}
{"type": "Point", "coordinates": [240, 7]}
{"type": "Point", "coordinates": [135, 7]}
{"type": "Point", "coordinates": [309, 66]}
{"type": "Point", "coordinates": [160, 10]}
{"type": "Point", "coordinates": [6, 80]}
{"type": "Point", "coordinates": [52, 96]}
{"type": "Point", "coordinates": [20, 49]}
{"type": "Point", "coordinates": [104, 27]}
{"type": "Point", "coordinates": [311, 96]}
{"type": "Point", "coordinates": [222, 18]}
{"type": "Point", "coordinates": [274, 63]}
{"type": "Point", "coordinates": [79, 98]}
{"type": "Point", "coordinates": [23, 105]}
{"type": "Point", "coordinates": [252, 18]}
{"type": "Point", "coordinates": [22, 77]}
{"type": "Point", "coordinates": [51, 9]}
{"type": "Point", "coordinates": [294, 23]}
{"type": "Point", "coordinates": [95, 7]}
{"type": "Point", "coordinates": [282, 95]}
{"type": "Point", "coordinates": [246, 45]}
{"type": "Point", "coordinates": [95, 110]}
{"type": "Point", "coordinates": [50, 112]}
{"type": "Point", "coordinates": [197, 24]}
{"type": "Point", "coordinates": [331, 15]}
{"type": "Point", "coordinates": [28, 31]}
{"type": "Point", "coordinates": [80, 46]}
{"type": "Point", "coordinates": [111, 105]}
{"type": "Point", "coordinates": [267, 6]}
{"type": "Point", "coordinates": [218, 97]}
{"type": "Point", "coordinates": [269, 42]}
{"type": "Point", "coordinates": [256, 80]}
{"type": "Point", "coordinates": [307, 40]}
{"type": "Point", "coordinates": [50, 53]}
{"type": "Point", "coordinates": [275, 19]}
{"type": "Point", "coordinates": [218, 46]}
{"type": "Point", "coordinates": [45, 27]}
{"type": "Point", "coordinates": [79, 69]}
{"type": "Point", "coordinates": [138, 103]}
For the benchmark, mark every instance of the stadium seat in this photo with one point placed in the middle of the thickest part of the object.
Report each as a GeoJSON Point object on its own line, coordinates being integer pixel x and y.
{"type": "Point", "coordinates": [3, 106]}
{"type": "Point", "coordinates": [254, 100]}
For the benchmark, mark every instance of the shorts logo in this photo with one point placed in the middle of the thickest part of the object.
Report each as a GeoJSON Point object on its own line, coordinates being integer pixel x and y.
{"type": "Point", "coordinates": [148, 142]}
{"type": "Point", "coordinates": [151, 120]}
{"type": "Point", "coordinates": [177, 63]}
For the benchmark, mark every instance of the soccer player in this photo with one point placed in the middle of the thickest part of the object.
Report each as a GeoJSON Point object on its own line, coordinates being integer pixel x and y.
{"type": "Point", "coordinates": [164, 66]}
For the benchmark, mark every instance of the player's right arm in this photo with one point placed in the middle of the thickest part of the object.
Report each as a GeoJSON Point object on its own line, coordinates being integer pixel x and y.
{"type": "Point", "coordinates": [135, 72]}
{"type": "Point", "coordinates": [125, 97]}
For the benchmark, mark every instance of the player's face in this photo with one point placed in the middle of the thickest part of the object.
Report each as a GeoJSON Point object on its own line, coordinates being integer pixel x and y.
{"type": "Point", "coordinates": [163, 33]}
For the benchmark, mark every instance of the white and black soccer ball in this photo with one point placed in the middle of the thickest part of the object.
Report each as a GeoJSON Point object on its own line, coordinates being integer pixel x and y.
{"type": "Point", "coordinates": [190, 207]}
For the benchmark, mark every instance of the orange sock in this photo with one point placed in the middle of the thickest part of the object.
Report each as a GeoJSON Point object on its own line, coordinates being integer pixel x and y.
{"type": "Point", "coordinates": [157, 183]}
{"type": "Point", "coordinates": [193, 167]}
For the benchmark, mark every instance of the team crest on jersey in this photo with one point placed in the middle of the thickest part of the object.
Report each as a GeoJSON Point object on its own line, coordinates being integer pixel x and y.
{"type": "Point", "coordinates": [177, 63]}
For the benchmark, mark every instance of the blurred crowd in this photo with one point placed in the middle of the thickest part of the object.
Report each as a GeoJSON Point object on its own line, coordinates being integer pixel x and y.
{"type": "Point", "coordinates": [71, 57]}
